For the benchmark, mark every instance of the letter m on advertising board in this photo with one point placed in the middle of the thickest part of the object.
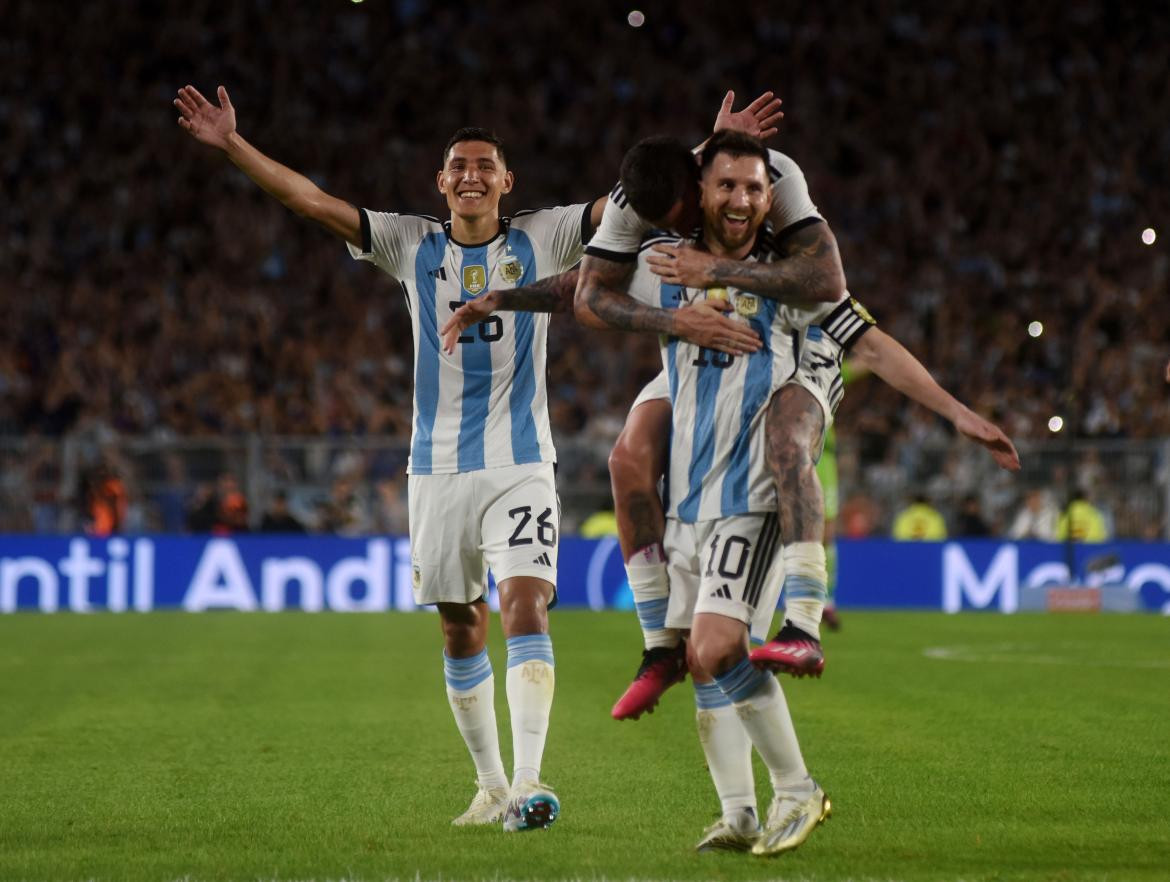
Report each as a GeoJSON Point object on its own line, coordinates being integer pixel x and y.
{"type": "Point", "coordinates": [961, 582]}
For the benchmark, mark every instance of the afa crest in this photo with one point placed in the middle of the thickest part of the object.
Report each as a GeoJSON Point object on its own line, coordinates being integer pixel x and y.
{"type": "Point", "coordinates": [511, 269]}
{"type": "Point", "coordinates": [474, 278]}
{"type": "Point", "coordinates": [747, 305]}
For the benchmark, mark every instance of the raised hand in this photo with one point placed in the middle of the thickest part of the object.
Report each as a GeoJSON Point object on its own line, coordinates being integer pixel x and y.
{"type": "Point", "coordinates": [988, 434]}
{"type": "Point", "coordinates": [704, 324]}
{"type": "Point", "coordinates": [758, 119]}
{"type": "Point", "coordinates": [204, 121]}
{"type": "Point", "coordinates": [683, 265]}
{"type": "Point", "coordinates": [470, 313]}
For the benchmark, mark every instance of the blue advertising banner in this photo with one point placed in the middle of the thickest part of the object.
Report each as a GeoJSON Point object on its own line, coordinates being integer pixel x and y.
{"type": "Point", "coordinates": [273, 573]}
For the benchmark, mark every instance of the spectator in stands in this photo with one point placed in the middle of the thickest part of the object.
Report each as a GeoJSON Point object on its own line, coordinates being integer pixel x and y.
{"type": "Point", "coordinates": [1036, 519]}
{"type": "Point", "coordinates": [1081, 521]}
{"type": "Point", "coordinates": [970, 523]}
{"type": "Point", "coordinates": [278, 518]}
{"type": "Point", "coordinates": [104, 497]}
{"type": "Point", "coordinates": [919, 522]}
{"type": "Point", "coordinates": [345, 512]}
{"type": "Point", "coordinates": [127, 309]}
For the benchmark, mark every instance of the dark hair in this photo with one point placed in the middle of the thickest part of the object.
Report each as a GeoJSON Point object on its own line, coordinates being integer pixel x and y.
{"type": "Point", "coordinates": [474, 133]}
{"type": "Point", "coordinates": [656, 173]}
{"type": "Point", "coordinates": [736, 144]}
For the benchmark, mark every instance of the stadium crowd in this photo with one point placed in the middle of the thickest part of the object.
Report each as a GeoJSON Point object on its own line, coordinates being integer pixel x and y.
{"type": "Point", "coordinates": [983, 165]}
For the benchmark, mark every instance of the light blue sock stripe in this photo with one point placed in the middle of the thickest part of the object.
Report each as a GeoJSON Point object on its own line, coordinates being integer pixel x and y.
{"type": "Point", "coordinates": [652, 613]}
{"type": "Point", "coordinates": [708, 696]}
{"type": "Point", "coordinates": [804, 586]}
{"type": "Point", "coordinates": [466, 673]}
{"type": "Point", "coordinates": [757, 641]}
{"type": "Point", "coordinates": [530, 647]}
{"type": "Point", "coordinates": [742, 681]}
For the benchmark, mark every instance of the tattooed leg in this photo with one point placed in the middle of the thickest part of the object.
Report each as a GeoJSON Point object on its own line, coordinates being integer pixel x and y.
{"type": "Point", "coordinates": [635, 466]}
{"type": "Point", "coordinates": [795, 429]}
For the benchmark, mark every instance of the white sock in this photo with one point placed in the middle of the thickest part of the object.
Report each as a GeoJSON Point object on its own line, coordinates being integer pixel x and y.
{"type": "Point", "coordinates": [646, 572]}
{"type": "Point", "coordinates": [764, 714]}
{"type": "Point", "coordinates": [471, 691]}
{"type": "Point", "coordinates": [727, 749]}
{"type": "Point", "coordinates": [805, 581]}
{"type": "Point", "coordinates": [530, 683]}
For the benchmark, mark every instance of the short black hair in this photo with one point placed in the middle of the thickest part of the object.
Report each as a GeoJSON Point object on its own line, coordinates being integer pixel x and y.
{"type": "Point", "coordinates": [656, 173]}
{"type": "Point", "coordinates": [474, 133]}
{"type": "Point", "coordinates": [736, 144]}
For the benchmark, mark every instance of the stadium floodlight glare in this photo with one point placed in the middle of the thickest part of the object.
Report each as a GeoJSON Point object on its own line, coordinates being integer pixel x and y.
{"type": "Point", "coordinates": [1055, 424]}
{"type": "Point", "coordinates": [1035, 329]}
{"type": "Point", "coordinates": [636, 19]}
{"type": "Point", "coordinates": [1148, 235]}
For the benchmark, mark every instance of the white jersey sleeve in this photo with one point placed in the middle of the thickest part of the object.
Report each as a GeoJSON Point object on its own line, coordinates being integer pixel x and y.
{"type": "Point", "coordinates": [791, 203]}
{"type": "Point", "coordinates": [558, 234]}
{"type": "Point", "coordinates": [389, 240]}
{"type": "Point", "coordinates": [621, 231]}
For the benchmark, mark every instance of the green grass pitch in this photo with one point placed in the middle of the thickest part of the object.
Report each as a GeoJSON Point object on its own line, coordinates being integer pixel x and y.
{"type": "Point", "coordinates": [292, 746]}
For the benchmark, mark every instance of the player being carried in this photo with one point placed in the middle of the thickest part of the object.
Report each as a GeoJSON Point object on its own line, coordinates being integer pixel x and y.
{"type": "Point", "coordinates": [481, 491]}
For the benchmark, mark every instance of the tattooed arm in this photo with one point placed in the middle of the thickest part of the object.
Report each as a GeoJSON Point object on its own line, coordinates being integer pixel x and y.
{"type": "Point", "coordinates": [601, 301]}
{"type": "Point", "coordinates": [554, 294]}
{"type": "Point", "coordinates": [807, 269]}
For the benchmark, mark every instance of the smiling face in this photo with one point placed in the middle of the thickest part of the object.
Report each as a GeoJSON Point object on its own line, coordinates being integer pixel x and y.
{"type": "Point", "coordinates": [734, 194]}
{"type": "Point", "coordinates": [473, 179]}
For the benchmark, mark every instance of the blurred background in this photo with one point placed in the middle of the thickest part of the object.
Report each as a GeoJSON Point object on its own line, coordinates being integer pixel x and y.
{"type": "Point", "coordinates": [178, 353]}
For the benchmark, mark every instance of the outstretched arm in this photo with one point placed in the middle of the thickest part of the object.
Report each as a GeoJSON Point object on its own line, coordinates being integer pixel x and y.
{"type": "Point", "coordinates": [216, 127]}
{"type": "Point", "coordinates": [809, 269]}
{"type": "Point", "coordinates": [890, 360]}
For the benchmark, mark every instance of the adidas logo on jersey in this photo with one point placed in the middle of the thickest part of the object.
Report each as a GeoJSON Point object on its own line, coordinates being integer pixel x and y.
{"type": "Point", "coordinates": [722, 591]}
{"type": "Point", "coordinates": [543, 560]}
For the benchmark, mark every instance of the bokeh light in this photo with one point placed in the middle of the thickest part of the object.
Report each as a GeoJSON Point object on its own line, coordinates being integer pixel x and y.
{"type": "Point", "coordinates": [1148, 235]}
{"type": "Point", "coordinates": [1055, 424]}
{"type": "Point", "coordinates": [636, 19]}
{"type": "Point", "coordinates": [1035, 329]}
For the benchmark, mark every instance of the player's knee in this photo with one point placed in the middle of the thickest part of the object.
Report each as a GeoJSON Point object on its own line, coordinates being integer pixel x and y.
{"type": "Point", "coordinates": [697, 671]}
{"type": "Point", "coordinates": [464, 627]}
{"type": "Point", "coordinates": [630, 469]}
{"type": "Point", "coordinates": [524, 606]}
{"type": "Point", "coordinates": [716, 654]}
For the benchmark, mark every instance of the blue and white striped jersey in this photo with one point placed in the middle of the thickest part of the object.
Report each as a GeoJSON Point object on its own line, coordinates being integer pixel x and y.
{"type": "Point", "coordinates": [718, 401]}
{"type": "Point", "coordinates": [486, 406]}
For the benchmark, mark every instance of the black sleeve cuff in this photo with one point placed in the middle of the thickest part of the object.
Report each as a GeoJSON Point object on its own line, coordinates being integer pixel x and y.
{"type": "Point", "coordinates": [615, 256]}
{"type": "Point", "coordinates": [847, 323]}
{"type": "Point", "coordinates": [587, 223]}
{"type": "Point", "coordinates": [367, 239]}
{"type": "Point", "coordinates": [794, 227]}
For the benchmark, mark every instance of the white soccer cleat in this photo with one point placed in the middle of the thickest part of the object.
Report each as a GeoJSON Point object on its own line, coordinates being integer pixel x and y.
{"type": "Point", "coordinates": [739, 832]}
{"type": "Point", "coordinates": [531, 806]}
{"type": "Point", "coordinates": [791, 818]}
{"type": "Point", "coordinates": [486, 808]}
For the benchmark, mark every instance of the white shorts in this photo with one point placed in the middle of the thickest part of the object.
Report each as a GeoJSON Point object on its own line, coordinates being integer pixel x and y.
{"type": "Point", "coordinates": [657, 388]}
{"type": "Point", "coordinates": [505, 519]}
{"type": "Point", "coordinates": [730, 566]}
{"type": "Point", "coordinates": [819, 372]}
